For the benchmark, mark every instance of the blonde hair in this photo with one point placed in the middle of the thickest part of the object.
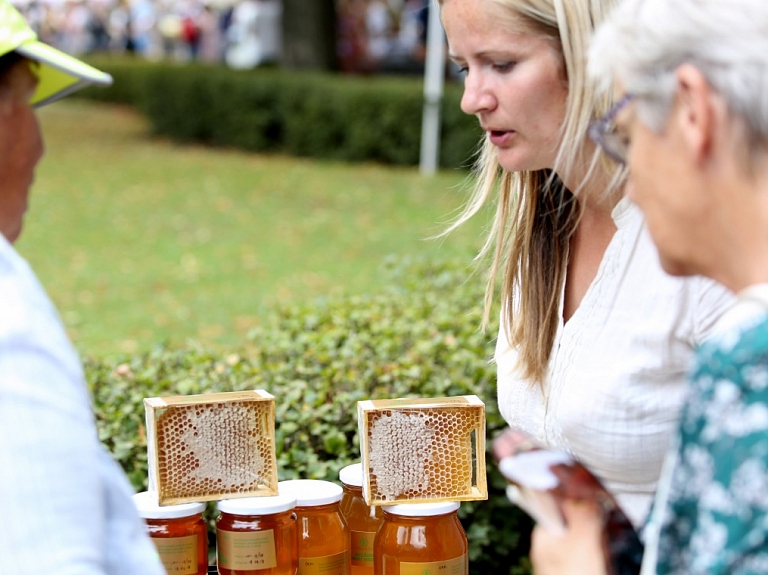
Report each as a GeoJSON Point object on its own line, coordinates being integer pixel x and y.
{"type": "Point", "coordinates": [535, 214]}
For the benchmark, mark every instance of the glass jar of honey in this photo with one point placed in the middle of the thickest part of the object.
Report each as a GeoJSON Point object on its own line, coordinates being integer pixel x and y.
{"type": "Point", "coordinates": [257, 536]}
{"type": "Point", "coordinates": [178, 532]}
{"type": "Point", "coordinates": [323, 531]}
{"type": "Point", "coordinates": [418, 538]}
{"type": "Point", "coordinates": [363, 520]}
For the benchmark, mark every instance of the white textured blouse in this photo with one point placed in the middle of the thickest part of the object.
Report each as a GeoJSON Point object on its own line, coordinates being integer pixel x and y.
{"type": "Point", "coordinates": [617, 374]}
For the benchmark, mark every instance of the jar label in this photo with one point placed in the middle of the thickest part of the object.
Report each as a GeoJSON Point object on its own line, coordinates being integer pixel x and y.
{"type": "Point", "coordinates": [246, 550]}
{"type": "Point", "coordinates": [178, 554]}
{"type": "Point", "coordinates": [362, 548]}
{"type": "Point", "coordinates": [337, 564]}
{"type": "Point", "coordinates": [457, 566]}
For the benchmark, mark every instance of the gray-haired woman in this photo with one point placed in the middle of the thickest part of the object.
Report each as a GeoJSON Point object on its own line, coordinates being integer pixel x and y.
{"type": "Point", "coordinates": [691, 121]}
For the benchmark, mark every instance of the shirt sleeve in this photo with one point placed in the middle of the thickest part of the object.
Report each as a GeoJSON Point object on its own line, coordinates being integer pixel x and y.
{"type": "Point", "coordinates": [716, 517]}
{"type": "Point", "coordinates": [66, 505]}
{"type": "Point", "coordinates": [713, 302]}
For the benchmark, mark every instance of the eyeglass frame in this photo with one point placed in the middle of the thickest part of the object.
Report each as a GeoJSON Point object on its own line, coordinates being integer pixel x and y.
{"type": "Point", "coordinates": [603, 132]}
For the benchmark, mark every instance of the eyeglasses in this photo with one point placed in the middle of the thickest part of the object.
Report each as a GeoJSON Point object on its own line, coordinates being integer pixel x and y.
{"type": "Point", "coordinates": [605, 134]}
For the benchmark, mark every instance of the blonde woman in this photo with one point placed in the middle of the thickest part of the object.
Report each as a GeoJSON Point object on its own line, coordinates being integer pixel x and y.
{"type": "Point", "coordinates": [595, 338]}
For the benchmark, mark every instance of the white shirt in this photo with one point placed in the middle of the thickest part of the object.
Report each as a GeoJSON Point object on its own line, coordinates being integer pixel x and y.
{"type": "Point", "coordinates": [617, 374]}
{"type": "Point", "coordinates": [66, 505]}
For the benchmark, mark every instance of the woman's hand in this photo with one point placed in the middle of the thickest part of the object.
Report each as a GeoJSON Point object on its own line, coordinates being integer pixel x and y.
{"type": "Point", "coordinates": [577, 551]}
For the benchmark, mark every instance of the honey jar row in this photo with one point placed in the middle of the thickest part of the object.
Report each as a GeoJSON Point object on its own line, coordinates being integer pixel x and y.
{"type": "Point", "coordinates": [311, 527]}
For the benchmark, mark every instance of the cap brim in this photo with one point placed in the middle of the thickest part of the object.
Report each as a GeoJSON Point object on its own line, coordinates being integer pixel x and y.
{"type": "Point", "coordinates": [59, 73]}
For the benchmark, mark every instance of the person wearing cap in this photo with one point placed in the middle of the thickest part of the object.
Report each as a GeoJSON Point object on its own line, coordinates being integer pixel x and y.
{"type": "Point", "coordinates": [67, 505]}
{"type": "Point", "coordinates": [691, 123]}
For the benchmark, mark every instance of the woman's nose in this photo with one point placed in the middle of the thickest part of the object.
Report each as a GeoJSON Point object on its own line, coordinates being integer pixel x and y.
{"type": "Point", "coordinates": [477, 96]}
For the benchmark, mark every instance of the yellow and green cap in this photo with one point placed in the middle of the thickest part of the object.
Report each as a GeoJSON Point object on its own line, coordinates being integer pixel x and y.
{"type": "Point", "coordinates": [59, 74]}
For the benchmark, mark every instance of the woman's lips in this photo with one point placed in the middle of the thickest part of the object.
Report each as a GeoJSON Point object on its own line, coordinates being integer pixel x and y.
{"type": "Point", "coordinates": [500, 138]}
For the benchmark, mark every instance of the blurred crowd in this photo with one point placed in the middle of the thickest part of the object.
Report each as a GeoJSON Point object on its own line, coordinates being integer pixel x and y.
{"type": "Point", "coordinates": [247, 32]}
{"type": "Point", "coordinates": [372, 35]}
{"type": "Point", "coordinates": [382, 35]}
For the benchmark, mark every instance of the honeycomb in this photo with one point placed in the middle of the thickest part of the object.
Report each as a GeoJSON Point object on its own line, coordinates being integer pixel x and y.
{"type": "Point", "coordinates": [423, 449]}
{"type": "Point", "coordinates": [210, 447]}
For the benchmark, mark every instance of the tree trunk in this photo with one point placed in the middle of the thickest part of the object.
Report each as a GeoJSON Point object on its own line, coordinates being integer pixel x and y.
{"type": "Point", "coordinates": [309, 34]}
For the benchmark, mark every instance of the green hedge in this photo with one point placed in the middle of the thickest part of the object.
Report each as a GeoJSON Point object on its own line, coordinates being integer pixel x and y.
{"type": "Point", "coordinates": [351, 118]}
{"type": "Point", "coordinates": [419, 338]}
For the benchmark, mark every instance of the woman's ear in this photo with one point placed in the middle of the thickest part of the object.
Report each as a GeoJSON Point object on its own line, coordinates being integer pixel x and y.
{"type": "Point", "coordinates": [696, 112]}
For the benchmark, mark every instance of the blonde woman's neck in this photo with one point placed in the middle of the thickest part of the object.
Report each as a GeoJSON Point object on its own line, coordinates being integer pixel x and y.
{"type": "Point", "coordinates": [591, 183]}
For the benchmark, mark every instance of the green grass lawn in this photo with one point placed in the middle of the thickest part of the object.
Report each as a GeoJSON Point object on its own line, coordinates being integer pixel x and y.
{"type": "Point", "coordinates": [141, 241]}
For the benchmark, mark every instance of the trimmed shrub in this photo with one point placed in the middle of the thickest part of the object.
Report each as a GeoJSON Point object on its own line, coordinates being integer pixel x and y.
{"type": "Point", "coordinates": [417, 339]}
{"type": "Point", "coordinates": [341, 117]}
{"type": "Point", "coordinates": [129, 85]}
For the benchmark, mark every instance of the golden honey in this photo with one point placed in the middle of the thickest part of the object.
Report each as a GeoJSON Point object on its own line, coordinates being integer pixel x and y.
{"type": "Point", "coordinates": [322, 530]}
{"type": "Point", "coordinates": [363, 521]}
{"type": "Point", "coordinates": [257, 536]}
{"type": "Point", "coordinates": [178, 532]}
{"type": "Point", "coordinates": [418, 538]}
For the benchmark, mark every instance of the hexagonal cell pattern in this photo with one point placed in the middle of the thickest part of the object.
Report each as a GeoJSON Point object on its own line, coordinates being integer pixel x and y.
{"type": "Point", "coordinates": [204, 451]}
{"type": "Point", "coordinates": [425, 453]}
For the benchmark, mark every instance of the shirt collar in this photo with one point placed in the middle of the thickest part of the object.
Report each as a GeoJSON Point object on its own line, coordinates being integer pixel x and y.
{"type": "Point", "coordinates": [757, 293]}
{"type": "Point", "coordinates": [623, 211]}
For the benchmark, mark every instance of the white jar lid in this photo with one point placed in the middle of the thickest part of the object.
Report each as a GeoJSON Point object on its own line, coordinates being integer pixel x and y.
{"type": "Point", "coordinates": [148, 507]}
{"type": "Point", "coordinates": [422, 509]}
{"type": "Point", "coordinates": [311, 492]}
{"type": "Point", "coordinates": [352, 475]}
{"type": "Point", "coordinates": [257, 505]}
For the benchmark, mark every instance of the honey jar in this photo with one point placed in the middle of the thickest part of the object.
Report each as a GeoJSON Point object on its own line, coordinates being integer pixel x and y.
{"type": "Point", "coordinates": [363, 521]}
{"type": "Point", "coordinates": [178, 532]}
{"type": "Point", "coordinates": [257, 536]}
{"type": "Point", "coordinates": [322, 530]}
{"type": "Point", "coordinates": [418, 538]}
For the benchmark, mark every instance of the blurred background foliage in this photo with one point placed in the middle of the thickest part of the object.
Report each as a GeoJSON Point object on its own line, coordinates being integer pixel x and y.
{"type": "Point", "coordinates": [309, 114]}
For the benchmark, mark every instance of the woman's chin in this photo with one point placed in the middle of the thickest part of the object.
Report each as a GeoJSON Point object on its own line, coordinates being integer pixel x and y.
{"type": "Point", "coordinates": [515, 160]}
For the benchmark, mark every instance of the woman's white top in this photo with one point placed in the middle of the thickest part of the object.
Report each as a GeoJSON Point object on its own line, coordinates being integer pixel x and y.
{"type": "Point", "coordinates": [617, 374]}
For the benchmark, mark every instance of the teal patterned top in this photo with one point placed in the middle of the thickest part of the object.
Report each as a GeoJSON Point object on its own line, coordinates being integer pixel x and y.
{"type": "Point", "coordinates": [716, 516]}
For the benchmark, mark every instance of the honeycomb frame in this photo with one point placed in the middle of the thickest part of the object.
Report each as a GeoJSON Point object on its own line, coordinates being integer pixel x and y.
{"type": "Point", "coordinates": [423, 449]}
{"type": "Point", "coordinates": [211, 446]}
